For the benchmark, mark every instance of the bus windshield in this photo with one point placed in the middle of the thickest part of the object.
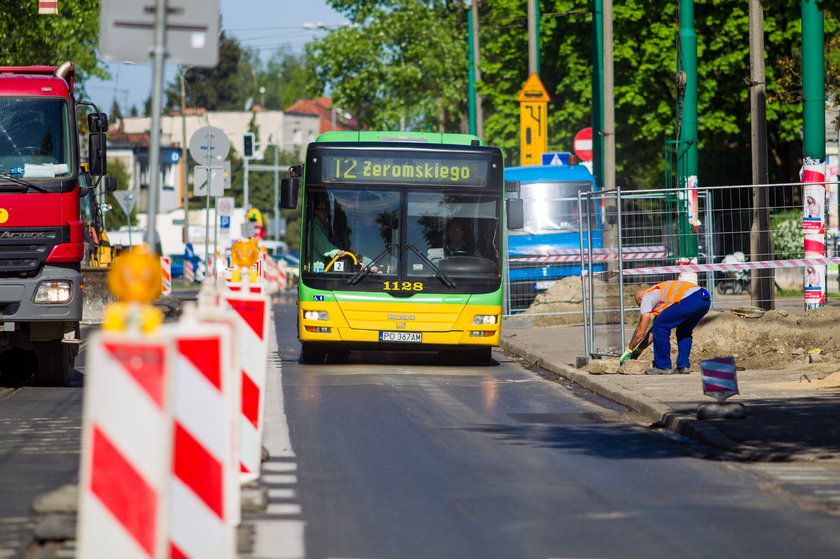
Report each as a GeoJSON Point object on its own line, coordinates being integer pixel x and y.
{"type": "Point", "coordinates": [34, 138]}
{"type": "Point", "coordinates": [445, 239]}
{"type": "Point", "coordinates": [552, 207]}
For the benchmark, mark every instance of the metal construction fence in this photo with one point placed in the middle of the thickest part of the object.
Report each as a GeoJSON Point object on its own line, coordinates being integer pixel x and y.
{"type": "Point", "coordinates": [745, 244]}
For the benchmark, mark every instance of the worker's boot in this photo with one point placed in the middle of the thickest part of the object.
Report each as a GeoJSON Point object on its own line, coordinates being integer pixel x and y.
{"type": "Point", "coordinates": [658, 371]}
{"type": "Point", "coordinates": [683, 370]}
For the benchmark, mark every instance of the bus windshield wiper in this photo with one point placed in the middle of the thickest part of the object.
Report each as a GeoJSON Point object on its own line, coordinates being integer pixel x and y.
{"type": "Point", "coordinates": [366, 269]}
{"type": "Point", "coordinates": [447, 281]}
{"type": "Point", "coordinates": [20, 182]}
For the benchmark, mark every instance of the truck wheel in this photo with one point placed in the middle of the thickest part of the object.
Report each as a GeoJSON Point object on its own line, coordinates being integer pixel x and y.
{"type": "Point", "coordinates": [55, 363]}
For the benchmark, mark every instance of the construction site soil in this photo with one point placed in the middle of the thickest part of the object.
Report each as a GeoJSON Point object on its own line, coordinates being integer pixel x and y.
{"type": "Point", "coordinates": [807, 341]}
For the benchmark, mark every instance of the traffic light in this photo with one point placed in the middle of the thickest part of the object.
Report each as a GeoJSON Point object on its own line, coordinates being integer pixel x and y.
{"type": "Point", "coordinates": [248, 146]}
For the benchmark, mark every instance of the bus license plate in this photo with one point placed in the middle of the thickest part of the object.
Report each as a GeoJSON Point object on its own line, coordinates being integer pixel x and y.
{"type": "Point", "coordinates": [412, 337]}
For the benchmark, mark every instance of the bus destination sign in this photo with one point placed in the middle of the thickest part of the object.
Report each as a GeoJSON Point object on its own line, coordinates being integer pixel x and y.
{"type": "Point", "coordinates": [398, 169]}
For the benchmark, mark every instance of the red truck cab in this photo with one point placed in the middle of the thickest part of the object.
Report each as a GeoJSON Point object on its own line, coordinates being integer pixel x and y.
{"type": "Point", "coordinates": [41, 236]}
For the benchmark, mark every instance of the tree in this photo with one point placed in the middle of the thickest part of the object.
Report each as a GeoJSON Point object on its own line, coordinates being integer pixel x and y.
{"type": "Point", "coordinates": [286, 78]}
{"type": "Point", "coordinates": [116, 113]}
{"type": "Point", "coordinates": [388, 71]}
{"type": "Point", "coordinates": [404, 66]}
{"type": "Point", "coordinates": [32, 39]}
{"type": "Point", "coordinates": [222, 88]}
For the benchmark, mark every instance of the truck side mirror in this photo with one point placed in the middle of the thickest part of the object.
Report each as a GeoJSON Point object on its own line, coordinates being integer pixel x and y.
{"type": "Point", "coordinates": [515, 213]}
{"type": "Point", "coordinates": [97, 157]}
{"type": "Point", "coordinates": [110, 183]}
{"type": "Point", "coordinates": [98, 123]}
{"type": "Point", "coordinates": [289, 193]}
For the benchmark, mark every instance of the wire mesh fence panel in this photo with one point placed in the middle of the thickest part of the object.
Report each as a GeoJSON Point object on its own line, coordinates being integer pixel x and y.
{"type": "Point", "coordinates": [745, 244]}
{"type": "Point", "coordinates": [545, 251]}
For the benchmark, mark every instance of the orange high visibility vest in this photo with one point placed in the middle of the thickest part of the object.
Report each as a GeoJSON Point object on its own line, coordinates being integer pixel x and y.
{"type": "Point", "coordinates": [670, 292]}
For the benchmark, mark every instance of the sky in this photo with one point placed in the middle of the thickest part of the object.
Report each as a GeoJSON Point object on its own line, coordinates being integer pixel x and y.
{"type": "Point", "coordinates": [264, 25]}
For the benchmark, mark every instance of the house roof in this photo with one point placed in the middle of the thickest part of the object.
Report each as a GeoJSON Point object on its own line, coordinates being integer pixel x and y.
{"type": "Point", "coordinates": [322, 108]}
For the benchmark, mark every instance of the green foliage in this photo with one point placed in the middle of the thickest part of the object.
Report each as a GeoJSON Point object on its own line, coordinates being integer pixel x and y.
{"type": "Point", "coordinates": [404, 67]}
{"type": "Point", "coordinates": [32, 39]}
{"type": "Point", "coordinates": [241, 78]}
{"type": "Point", "coordinates": [221, 88]}
{"type": "Point", "coordinates": [787, 235]}
{"type": "Point", "coordinates": [393, 70]}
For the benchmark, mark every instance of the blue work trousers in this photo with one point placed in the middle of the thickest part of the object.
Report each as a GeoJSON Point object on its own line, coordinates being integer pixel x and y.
{"type": "Point", "coordinates": [684, 316]}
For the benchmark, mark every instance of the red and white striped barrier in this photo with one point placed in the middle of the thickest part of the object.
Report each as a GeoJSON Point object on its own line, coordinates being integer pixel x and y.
{"type": "Point", "coordinates": [126, 448]}
{"type": "Point", "coordinates": [719, 377]}
{"type": "Point", "coordinates": [598, 254]}
{"type": "Point", "coordinates": [204, 477]}
{"type": "Point", "coordinates": [165, 275]}
{"type": "Point", "coordinates": [813, 229]}
{"type": "Point", "coordinates": [252, 312]}
{"type": "Point", "coordinates": [189, 271]}
{"type": "Point", "coordinates": [733, 267]}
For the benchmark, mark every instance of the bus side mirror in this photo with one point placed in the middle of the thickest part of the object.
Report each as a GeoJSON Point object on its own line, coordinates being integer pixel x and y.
{"type": "Point", "coordinates": [513, 187]}
{"type": "Point", "coordinates": [289, 193]}
{"type": "Point", "coordinates": [110, 183]}
{"type": "Point", "coordinates": [515, 213]}
{"type": "Point", "coordinates": [611, 215]}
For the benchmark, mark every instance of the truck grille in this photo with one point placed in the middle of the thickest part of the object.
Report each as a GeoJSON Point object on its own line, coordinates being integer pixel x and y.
{"type": "Point", "coordinates": [24, 250]}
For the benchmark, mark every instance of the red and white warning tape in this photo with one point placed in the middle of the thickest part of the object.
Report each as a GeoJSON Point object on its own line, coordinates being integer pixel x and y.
{"type": "Point", "coordinates": [734, 267]}
{"type": "Point", "coordinates": [598, 254]}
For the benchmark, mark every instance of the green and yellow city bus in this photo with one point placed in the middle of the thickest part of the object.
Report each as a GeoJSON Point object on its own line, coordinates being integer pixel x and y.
{"type": "Point", "coordinates": [402, 244]}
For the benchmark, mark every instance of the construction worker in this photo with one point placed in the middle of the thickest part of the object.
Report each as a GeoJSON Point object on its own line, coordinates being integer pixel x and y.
{"type": "Point", "coordinates": [670, 304]}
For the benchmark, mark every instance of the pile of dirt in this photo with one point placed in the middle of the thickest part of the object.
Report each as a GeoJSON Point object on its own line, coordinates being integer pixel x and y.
{"type": "Point", "coordinates": [562, 303]}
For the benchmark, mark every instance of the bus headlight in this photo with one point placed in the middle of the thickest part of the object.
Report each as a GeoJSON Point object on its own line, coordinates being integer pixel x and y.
{"type": "Point", "coordinates": [316, 315]}
{"type": "Point", "coordinates": [485, 319]}
{"type": "Point", "coordinates": [49, 292]}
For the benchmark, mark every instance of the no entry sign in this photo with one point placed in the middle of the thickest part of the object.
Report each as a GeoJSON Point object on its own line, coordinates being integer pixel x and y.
{"type": "Point", "coordinates": [583, 144]}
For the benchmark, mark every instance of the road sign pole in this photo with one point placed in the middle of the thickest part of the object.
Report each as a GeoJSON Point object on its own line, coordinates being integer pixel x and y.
{"type": "Point", "coordinates": [208, 160]}
{"type": "Point", "coordinates": [158, 53]}
{"type": "Point", "coordinates": [245, 205]}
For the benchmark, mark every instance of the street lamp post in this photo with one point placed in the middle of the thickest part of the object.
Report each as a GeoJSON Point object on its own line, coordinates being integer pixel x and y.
{"type": "Point", "coordinates": [185, 162]}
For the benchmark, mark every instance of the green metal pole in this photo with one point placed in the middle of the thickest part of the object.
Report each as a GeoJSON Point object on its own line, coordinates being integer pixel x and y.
{"type": "Point", "coordinates": [471, 75]}
{"type": "Point", "coordinates": [598, 90]}
{"type": "Point", "coordinates": [813, 146]}
{"type": "Point", "coordinates": [687, 141]}
{"type": "Point", "coordinates": [813, 80]}
{"type": "Point", "coordinates": [687, 62]}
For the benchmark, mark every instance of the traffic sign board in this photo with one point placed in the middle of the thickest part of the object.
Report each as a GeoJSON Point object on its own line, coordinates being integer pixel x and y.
{"type": "Point", "coordinates": [224, 205]}
{"type": "Point", "coordinates": [533, 91]}
{"type": "Point", "coordinates": [126, 200]}
{"type": "Point", "coordinates": [533, 121]}
{"type": "Point", "coordinates": [583, 144]}
{"type": "Point", "coordinates": [209, 145]}
{"type": "Point", "coordinates": [216, 181]}
{"type": "Point", "coordinates": [192, 31]}
{"type": "Point", "coordinates": [556, 158]}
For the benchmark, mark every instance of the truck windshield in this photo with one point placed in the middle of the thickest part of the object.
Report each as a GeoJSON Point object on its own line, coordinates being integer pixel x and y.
{"type": "Point", "coordinates": [34, 138]}
{"type": "Point", "coordinates": [552, 207]}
